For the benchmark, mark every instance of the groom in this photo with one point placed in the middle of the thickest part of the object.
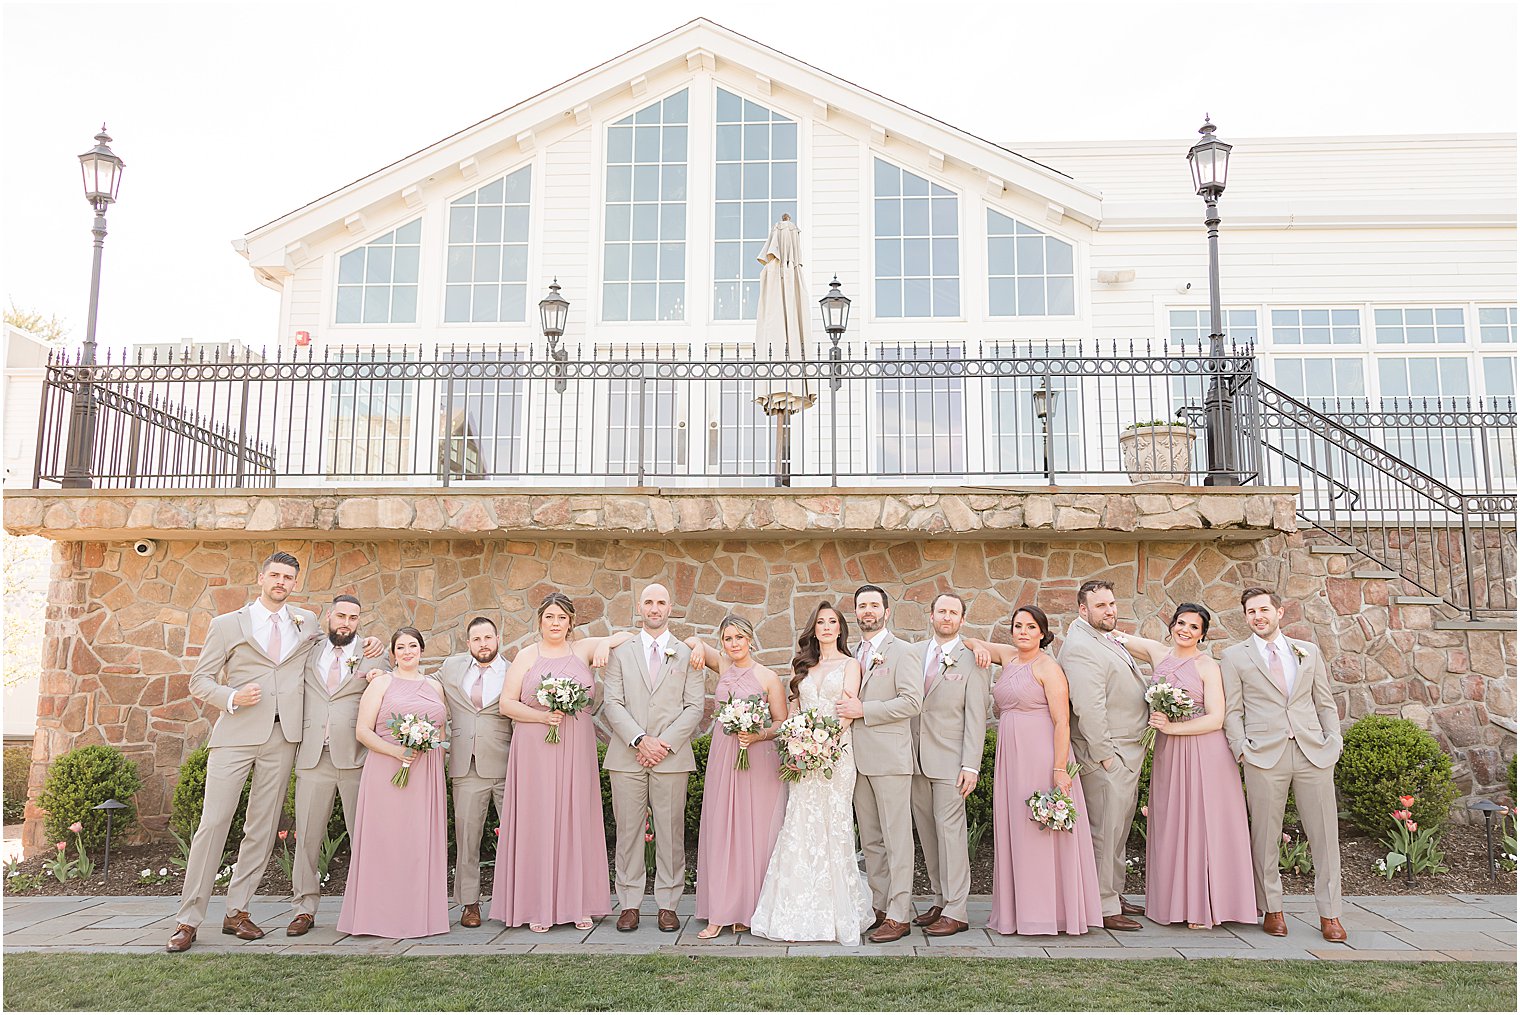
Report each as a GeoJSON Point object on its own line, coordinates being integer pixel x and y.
{"type": "Point", "coordinates": [891, 694]}
{"type": "Point", "coordinates": [1282, 724]}
{"type": "Point", "coordinates": [653, 700]}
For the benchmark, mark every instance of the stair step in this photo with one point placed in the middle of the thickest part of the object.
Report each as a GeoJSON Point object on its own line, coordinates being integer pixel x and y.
{"type": "Point", "coordinates": [1333, 549]}
{"type": "Point", "coordinates": [1374, 573]}
{"type": "Point", "coordinates": [1498, 624]}
{"type": "Point", "coordinates": [1416, 600]}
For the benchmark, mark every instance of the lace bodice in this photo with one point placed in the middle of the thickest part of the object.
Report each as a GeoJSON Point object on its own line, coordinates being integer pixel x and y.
{"type": "Point", "coordinates": [821, 688]}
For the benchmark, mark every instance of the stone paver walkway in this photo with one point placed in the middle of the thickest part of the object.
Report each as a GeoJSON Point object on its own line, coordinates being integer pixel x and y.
{"type": "Point", "coordinates": [1437, 928]}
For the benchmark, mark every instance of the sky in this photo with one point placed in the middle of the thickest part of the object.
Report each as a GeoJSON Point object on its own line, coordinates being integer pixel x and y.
{"type": "Point", "coordinates": [229, 114]}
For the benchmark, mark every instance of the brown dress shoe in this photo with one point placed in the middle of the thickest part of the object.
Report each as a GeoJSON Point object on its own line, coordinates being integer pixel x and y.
{"type": "Point", "coordinates": [667, 920]}
{"type": "Point", "coordinates": [1332, 929]}
{"type": "Point", "coordinates": [944, 927]}
{"type": "Point", "coordinates": [890, 930]}
{"type": "Point", "coordinates": [1120, 922]}
{"type": "Point", "coordinates": [1129, 909]}
{"type": "Point", "coordinates": [1274, 924]}
{"type": "Point", "coordinates": [926, 919]}
{"type": "Point", "coordinates": [628, 919]}
{"type": "Point", "coordinates": [880, 919]}
{"type": "Point", "coordinates": [182, 938]}
{"type": "Point", "coordinates": [471, 915]}
{"type": "Point", "coordinates": [238, 922]}
{"type": "Point", "coordinates": [300, 925]}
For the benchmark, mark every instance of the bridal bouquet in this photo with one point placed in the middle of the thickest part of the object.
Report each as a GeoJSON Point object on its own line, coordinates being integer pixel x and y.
{"type": "Point", "coordinates": [1171, 701]}
{"type": "Point", "coordinates": [561, 694]}
{"type": "Point", "coordinates": [416, 732]}
{"type": "Point", "coordinates": [744, 715]}
{"type": "Point", "coordinates": [809, 741]}
{"type": "Point", "coordinates": [1053, 809]}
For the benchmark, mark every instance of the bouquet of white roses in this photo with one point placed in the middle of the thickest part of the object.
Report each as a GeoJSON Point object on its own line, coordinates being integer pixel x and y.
{"type": "Point", "coordinates": [561, 694]}
{"type": "Point", "coordinates": [744, 715]}
{"type": "Point", "coordinates": [1053, 808]}
{"type": "Point", "coordinates": [416, 732]}
{"type": "Point", "coordinates": [810, 741]}
{"type": "Point", "coordinates": [1171, 701]}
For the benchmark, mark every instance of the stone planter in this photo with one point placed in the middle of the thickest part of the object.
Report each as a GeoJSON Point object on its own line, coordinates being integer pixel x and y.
{"type": "Point", "coordinates": [1158, 454]}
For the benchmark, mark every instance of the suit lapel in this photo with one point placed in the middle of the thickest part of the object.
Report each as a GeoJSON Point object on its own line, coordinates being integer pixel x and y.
{"type": "Point", "coordinates": [659, 673]}
{"type": "Point", "coordinates": [880, 650]}
{"type": "Point", "coordinates": [1261, 666]}
{"type": "Point", "coordinates": [641, 661]}
{"type": "Point", "coordinates": [1109, 645]}
{"type": "Point", "coordinates": [1302, 678]}
{"type": "Point", "coordinates": [245, 624]}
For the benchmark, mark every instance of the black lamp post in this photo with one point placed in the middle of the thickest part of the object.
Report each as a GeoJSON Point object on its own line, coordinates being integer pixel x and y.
{"type": "Point", "coordinates": [1044, 398]}
{"type": "Point", "coordinates": [1488, 809]}
{"type": "Point", "coordinates": [110, 807]}
{"type": "Point", "coordinates": [101, 169]}
{"type": "Point", "coordinates": [553, 311]}
{"type": "Point", "coordinates": [1210, 162]}
{"type": "Point", "coordinates": [835, 308]}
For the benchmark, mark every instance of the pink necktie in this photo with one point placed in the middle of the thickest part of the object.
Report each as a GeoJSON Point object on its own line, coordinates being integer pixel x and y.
{"type": "Point", "coordinates": [932, 677]}
{"type": "Point", "coordinates": [274, 639]}
{"type": "Point", "coordinates": [654, 663]}
{"type": "Point", "coordinates": [863, 653]}
{"type": "Point", "coordinates": [335, 673]}
{"type": "Point", "coordinates": [1275, 667]}
{"type": "Point", "coordinates": [478, 692]}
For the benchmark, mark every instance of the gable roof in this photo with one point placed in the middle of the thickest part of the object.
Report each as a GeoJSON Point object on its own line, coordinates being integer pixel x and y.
{"type": "Point", "coordinates": [275, 246]}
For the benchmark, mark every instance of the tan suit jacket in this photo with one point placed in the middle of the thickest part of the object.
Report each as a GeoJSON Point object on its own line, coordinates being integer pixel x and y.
{"type": "Point", "coordinates": [948, 734]}
{"type": "Point", "coordinates": [1259, 716]}
{"type": "Point", "coordinates": [1108, 709]}
{"type": "Point", "coordinates": [891, 694]}
{"type": "Point", "coordinates": [231, 659]}
{"type": "Point", "coordinates": [672, 711]}
{"type": "Point", "coordinates": [335, 713]}
{"type": "Point", "coordinates": [481, 735]}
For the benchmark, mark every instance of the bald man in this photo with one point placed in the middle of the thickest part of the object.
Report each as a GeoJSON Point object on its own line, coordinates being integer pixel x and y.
{"type": "Point", "coordinates": [653, 701]}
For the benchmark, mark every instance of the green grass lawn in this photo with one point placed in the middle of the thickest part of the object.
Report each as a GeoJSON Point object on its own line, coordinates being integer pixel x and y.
{"type": "Point", "coordinates": [615, 982]}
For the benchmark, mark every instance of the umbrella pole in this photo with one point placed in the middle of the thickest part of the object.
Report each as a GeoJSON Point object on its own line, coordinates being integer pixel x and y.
{"type": "Point", "coordinates": [783, 449]}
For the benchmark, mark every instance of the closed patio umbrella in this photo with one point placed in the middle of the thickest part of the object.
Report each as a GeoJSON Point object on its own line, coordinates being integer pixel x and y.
{"type": "Point", "coordinates": [781, 327]}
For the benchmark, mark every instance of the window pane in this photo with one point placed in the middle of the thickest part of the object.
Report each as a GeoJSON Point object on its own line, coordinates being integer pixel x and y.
{"type": "Point", "coordinates": [367, 276]}
{"type": "Point", "coordinates": [377, 304]}
{"type": "Point", "coordinates": [456, 304]}
{"type": "Point", "coordinates": [646, 194]}
{"type": "Point", "coordinates": [406, 263]}
{"type": "Point", "coordinates": [349, 300]}
{"type": "Point", "coordinates": [351, 266]}
{"type": "Point", "coordinates": [404, 304]}
{"type": "Point", "coordinates": [1038, 268]}
{"type": "Point", "coordinates": [917, 246]}
{"type": "Point", "coordinates": [500, 210]}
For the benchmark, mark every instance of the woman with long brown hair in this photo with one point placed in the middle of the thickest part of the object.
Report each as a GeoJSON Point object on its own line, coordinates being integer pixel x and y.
{"type": "Point", "coordinates": [813, 890]}
{"type": "Point", "coordinates": [551, 861]}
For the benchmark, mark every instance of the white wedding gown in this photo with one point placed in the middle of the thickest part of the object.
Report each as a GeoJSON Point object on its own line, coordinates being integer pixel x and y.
{"type": "Point", "coordinates": [814, 890]}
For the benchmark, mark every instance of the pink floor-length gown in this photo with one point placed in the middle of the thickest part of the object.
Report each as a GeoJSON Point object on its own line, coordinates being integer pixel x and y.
{"type": "Point", "coordinates": [1043, 882]}
{"type": "Point", "coordinates": [551, 861]}
{"type": "Point", "coordinates": [741, 814]}
{"type": "Point", "coordinates": [1198, 845]}
{"type": "Point", "coordinates": [398, 869]}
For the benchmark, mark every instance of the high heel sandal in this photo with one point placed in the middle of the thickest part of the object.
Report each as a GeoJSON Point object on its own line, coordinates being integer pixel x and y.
{"type": "Point", "coordinates": [711, 931]}
{"type": "Point", "coordinates": [585, 924]}
{"type": "Point", "coordinates": [741, 928]}
{"type": "Point", "coordinates": [538, 928]}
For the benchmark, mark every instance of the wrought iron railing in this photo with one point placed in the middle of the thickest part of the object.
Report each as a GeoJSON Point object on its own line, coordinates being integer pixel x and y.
{"type": "Point", "coordinates": [1425, 491]}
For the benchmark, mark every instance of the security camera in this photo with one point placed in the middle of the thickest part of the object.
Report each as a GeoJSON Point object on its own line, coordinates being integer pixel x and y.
{"type": "Point", "coordinates": [1184, 287]}
{"type": "Point", "coordinates": [144, 547]}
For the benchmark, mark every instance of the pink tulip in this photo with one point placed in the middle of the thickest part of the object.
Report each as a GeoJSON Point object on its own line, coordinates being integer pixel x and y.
{"type": "Point", "coordinates": [1413, 826]}
{"type": "Point", "coordinates": [1145, 812]}
{"type": "Point", "coordinates": [1406, 801]}
{"type": "Point", "coordinates": [284, 834]}
{"type": "Point", "coordinates": [76, 828]}
{"type": "Point", "coordinates": [1287, 838]}
{"type": "Point", "coordinates": [62, 846]}
{"type": "Point", "coordinates": [498, 831]}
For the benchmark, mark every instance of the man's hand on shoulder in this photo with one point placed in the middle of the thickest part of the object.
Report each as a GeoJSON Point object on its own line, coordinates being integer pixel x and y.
{"type": "Point", "coordinates": [373, 647]}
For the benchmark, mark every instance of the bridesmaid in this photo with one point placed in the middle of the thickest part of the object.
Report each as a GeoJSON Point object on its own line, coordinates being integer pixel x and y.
{"type": "Point", "coordinates": [1043, 881]}
{"type": "Point", "coordinates": [741, 810]}
{"type": "Point", "coordinates": [551, 860]}
{"type": "Point", "coordinates": [398, 868]}
{"type": "Point", "coordinates": [1198, 845]}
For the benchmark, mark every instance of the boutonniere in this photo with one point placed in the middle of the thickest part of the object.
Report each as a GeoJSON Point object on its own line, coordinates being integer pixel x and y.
{"type": "Point", "coordinates": [877, 659]}
{"type": "Point", "coordinates": [670, 653]}
{"type": "Point", "coordinates": [352, 664]}
{"type": "Point", "coordinates": [947, 661]}
{"type": "Point", "coordinates": [1299, 653]}
{"type": "Point", "coordinates": [295, 622]}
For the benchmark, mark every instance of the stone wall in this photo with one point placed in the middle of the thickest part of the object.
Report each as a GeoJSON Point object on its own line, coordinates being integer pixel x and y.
{"type": "Point", "coordinates": [123, 630]}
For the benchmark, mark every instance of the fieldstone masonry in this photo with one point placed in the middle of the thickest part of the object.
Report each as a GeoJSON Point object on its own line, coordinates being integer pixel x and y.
{"type": "Point", "coordinates": [123, 629]}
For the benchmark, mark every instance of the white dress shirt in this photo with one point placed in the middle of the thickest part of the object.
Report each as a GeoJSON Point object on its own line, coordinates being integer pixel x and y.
{"type": "Point", "coordinates": [946, 651]}
{"type": "Point", "coordinates": [875, 642]}
{"type": "Point", "coordinates": [344, 655]}
{"type": "Point", "coordinates": [1284, 653]}
{"type": "Point", "coordinates": [262, 619]}
{"type": "Point", "coordinates": [495, 676]}
{"type": "Point", "coordinates": [646, 643]}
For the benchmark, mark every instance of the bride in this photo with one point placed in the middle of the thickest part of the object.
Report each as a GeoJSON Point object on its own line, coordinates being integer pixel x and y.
{"type": "Point", "coordinates": [814, 890]}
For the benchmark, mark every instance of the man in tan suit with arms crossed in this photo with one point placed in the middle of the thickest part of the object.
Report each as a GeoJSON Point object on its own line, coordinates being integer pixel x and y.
{"type": "Point", "coordinates": [329, 759]}
{"type": "Point", "coordinates": [1109, 716]}
{"type": "Point", "coordinates": [260, 652]}
{"type": "Point", "coordinates": [891, 694]}
{"type": "Point", "coordinates": [653, 701]}
{"type": "Point", "coordinates": [1282, 723]}
{"type": "Point", "coordinates": [947, 756]}
{"type": "Point", "coordinates": [479, 738]}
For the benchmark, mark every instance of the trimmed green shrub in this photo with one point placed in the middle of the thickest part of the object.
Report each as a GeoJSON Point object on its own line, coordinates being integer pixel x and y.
{"type": "Point", "coordinates": [694, 786]}
{"type": "Point", "coordinates": [1510, 771]}
{"type": "Point", "coordinates": [979, 803]}
{"type": "Point", "coordinates": [1385, 758]}
{"type": "Point", "coordinates": [82, 778]}
{"type": "Point", "coordinates": [606, 779]}
{"type": "Point", "coordinates": [18, 764]}
{"type": "Point", "coordinates": [190, 798]}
